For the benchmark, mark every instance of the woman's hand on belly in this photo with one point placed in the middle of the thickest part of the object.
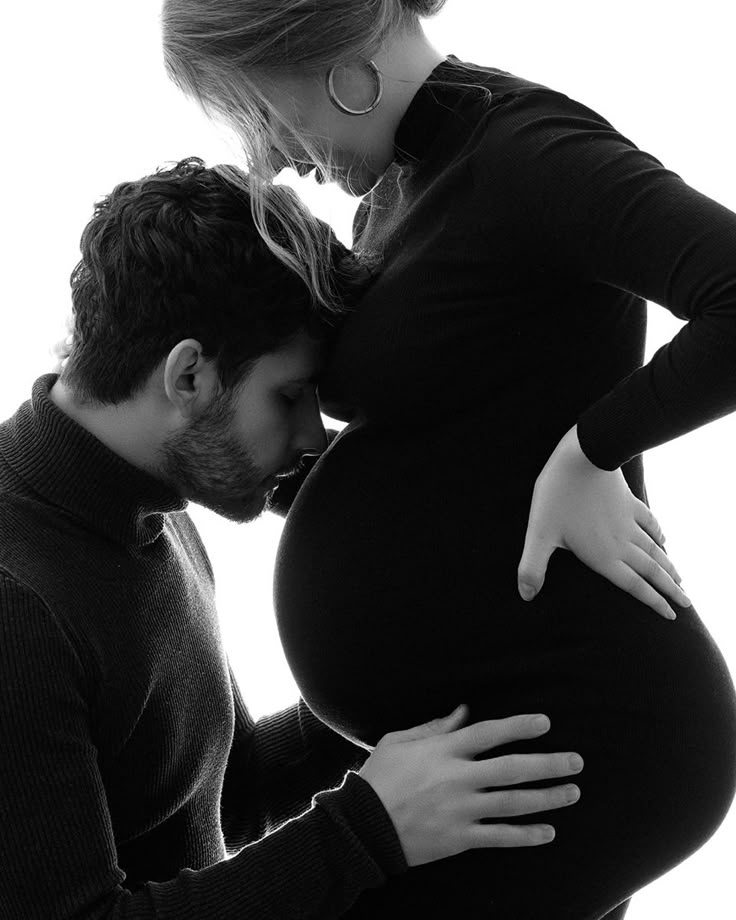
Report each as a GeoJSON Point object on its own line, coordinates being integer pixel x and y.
{"type": "Point", "coordinates": [593, 513]}
{"type": "Point", "coordinates": [437, 793]}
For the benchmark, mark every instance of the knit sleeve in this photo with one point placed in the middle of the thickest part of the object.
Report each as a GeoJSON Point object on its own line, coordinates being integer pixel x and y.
{"type": "Point", "coordinates": [277, 765]}
{"type": "Point", "coordinates": [57, 844]}
{"type": "Point", "coordinates": [599, 210]}
{"type": "Point", "coordinates": [57, 849]}
{"type": "Point", "coordinates": [313, 867]}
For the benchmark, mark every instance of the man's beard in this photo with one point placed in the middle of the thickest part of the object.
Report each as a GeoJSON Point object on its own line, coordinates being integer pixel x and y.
{"type": "Point", "coordinates": [206, 464]}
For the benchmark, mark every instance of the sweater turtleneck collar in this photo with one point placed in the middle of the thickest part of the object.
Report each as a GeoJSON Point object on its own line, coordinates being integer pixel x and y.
{"type": "Point", "coordinates": [70, 468]}
{"type": "Point", "coordinates": [433, 108]}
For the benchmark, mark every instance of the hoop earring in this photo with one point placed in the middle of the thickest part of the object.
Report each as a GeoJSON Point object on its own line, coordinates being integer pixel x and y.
{"type": "Point", "coordinates": [339, 104]}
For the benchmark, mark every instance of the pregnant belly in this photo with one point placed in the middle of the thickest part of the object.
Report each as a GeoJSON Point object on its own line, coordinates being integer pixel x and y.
{"type": "Point", "coordinates": [389, 554]}
{"type": "Point", "coordinates": [396, 599]}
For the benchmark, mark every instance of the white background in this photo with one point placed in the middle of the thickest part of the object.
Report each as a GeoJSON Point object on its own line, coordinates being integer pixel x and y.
{"type": "Point", "coordinates": [86, 104]}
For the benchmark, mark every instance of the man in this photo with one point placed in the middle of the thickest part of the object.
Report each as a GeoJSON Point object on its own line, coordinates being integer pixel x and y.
{"type": "Point", "coordinates": [129, 765]}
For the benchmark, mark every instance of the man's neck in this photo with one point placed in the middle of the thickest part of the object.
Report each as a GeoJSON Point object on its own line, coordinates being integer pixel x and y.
{"type": "Point", "coordinates": [129, 429]}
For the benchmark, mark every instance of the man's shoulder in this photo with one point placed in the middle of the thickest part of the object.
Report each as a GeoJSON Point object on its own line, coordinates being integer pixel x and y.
{"type": "Point", "coordinates": [25, 515]}
{"type": "Point", "coordinates": [180, 525]}
{"type": "Point", "coordinates": [50, 551]}
{"type": "Point", "coordinates": [25, 537]}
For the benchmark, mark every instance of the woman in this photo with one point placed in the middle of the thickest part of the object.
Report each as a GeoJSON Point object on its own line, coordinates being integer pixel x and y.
{"type": "Point", "coordinates": [492, 367]}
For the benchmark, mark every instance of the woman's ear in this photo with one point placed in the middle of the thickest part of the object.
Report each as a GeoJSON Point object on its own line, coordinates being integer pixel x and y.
{"type": "Point", "coordinates": [190, 379]}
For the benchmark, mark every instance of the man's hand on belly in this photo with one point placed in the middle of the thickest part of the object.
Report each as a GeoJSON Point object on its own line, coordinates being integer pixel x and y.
{"type": "Point", "coordinates": [436, 792]}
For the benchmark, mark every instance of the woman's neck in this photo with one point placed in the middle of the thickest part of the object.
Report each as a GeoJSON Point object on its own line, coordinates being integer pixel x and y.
{"type": "Point", "coordinates": [405, 61]}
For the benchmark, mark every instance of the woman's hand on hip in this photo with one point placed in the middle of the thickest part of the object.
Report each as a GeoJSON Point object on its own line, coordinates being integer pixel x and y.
{"type": "Point", "coordinates": [436, 792]}
{"type": "Point", "coordinates": [593, 513]}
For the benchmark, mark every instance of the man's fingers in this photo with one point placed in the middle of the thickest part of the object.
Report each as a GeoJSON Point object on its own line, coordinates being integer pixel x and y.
{"type": "Point", "coordinates": [510, 835]}
{"type": "Point", "coordinates": [445, 724]}
{"type": "Point", "coordinates": [484, 736]}
{"type": "Point", "coordinates": [441, 726]}
{"type": "Point", "coordinates": [511, 803]}
{"type": "Point", "coordinates": [513, 769]}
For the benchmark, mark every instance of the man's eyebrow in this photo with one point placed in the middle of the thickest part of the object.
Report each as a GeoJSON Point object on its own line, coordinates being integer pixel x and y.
{"type": "Point", "coordinates": [299, 380]}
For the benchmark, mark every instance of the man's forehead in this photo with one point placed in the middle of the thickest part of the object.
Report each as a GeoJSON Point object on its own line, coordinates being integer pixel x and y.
{"type": "Point", "coordinates": [300, 361]}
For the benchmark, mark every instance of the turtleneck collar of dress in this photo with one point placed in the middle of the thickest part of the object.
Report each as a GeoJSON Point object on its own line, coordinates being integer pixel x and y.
{"type": "Point", "coordinates": [434, 108]}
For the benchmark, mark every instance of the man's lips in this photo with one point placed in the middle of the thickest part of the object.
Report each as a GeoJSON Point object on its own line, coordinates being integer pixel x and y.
{"type": "Point", "coordinates": [272, 481]}
{"type": "Point", "coordinates": [286, 474]}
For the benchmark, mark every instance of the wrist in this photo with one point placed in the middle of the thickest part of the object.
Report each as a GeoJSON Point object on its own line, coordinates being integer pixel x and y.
{"type": "Point", "coordinates": [357, 805]}
{"type": "Point", "coordinates": [570, 449]}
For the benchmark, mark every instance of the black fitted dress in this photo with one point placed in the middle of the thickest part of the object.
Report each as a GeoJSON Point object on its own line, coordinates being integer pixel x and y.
{"type": "Point", "coordinates": [518, 236]}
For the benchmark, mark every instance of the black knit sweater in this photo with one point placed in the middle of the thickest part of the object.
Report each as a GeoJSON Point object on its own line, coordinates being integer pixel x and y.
{"type": "Point", "coordinates": [129, 766]}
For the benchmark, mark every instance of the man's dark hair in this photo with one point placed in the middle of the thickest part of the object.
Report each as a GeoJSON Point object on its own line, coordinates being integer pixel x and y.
{"type": "Point", "coordinates": [177, 255]}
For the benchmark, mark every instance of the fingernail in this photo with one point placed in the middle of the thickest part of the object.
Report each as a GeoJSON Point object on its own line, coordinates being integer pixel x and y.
{"type": "Point", "coordinates": [572, 793]}
{"type": "Point", "coordinates": [541, 724]}
{"type": "Point", "coordinates": [527, 592]}
{"type": "Point", "coordinates": [576, 763]}
{"type": "Point", "coordinates": [547, 832]}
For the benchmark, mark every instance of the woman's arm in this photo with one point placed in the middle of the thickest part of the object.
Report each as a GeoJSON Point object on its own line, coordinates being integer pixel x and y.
{"type": "Point", "coordinates": [606, 212]}
{"type": "Point", "coordinates": [602, 211]}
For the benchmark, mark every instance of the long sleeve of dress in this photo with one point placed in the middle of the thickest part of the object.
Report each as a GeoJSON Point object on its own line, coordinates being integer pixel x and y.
{"type": "Point", "coordinates": [603, 211]}
{"type": "Point", "coordinates": [58, 848]}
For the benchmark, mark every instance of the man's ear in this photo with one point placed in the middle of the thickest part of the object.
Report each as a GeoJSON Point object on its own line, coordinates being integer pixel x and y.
{"type": "Point", "coordinates": [190, 379]}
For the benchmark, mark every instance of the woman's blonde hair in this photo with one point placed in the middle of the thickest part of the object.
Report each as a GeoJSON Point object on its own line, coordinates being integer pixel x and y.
{"type": "Point", "coordinates": [218, 51]}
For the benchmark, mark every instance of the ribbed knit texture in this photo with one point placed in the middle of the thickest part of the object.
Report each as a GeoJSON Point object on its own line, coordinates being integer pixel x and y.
{"type": "Point", "coordinates": [129, 763]}
{"type": "Point", "coordinates": [515, 238]}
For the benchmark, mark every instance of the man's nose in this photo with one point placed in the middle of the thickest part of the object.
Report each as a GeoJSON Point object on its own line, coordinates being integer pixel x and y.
{"type": "Point", "coordinates": [311, 439]}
